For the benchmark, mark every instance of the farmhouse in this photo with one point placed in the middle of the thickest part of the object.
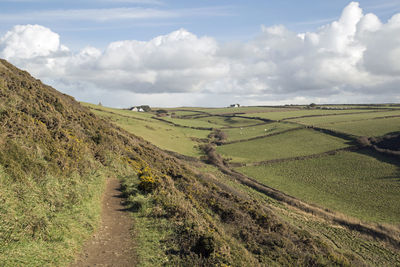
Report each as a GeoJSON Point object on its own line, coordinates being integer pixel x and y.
{"type": "Point", "coordinates": [234, 105]}
{"type": "Point", "coordinates": [136, 109]}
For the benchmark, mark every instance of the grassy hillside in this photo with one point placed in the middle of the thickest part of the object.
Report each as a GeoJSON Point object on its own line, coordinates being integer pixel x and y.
{"type": "Point", "coordinates": [354, 248]}
{"type": "Point", "coordinates": [54, 158]}
{"type": "Point", "coordinates": [295, 113]}
{"type": "Point", "coordinates": [291, 144]}
{"type": "Point", "coordinates": [166, 136]}
{"type": "Point", "coordinates": [243, 133]}
{"type": "Point", "coordinates": [364, 185]}
{"type": "Point", "coordinates": [374, 127]}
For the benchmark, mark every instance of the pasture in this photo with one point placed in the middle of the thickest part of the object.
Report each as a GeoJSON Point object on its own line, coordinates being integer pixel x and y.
{"type": "Point", "coordinates": [365, 185]}
{"type": "Point", "coordinates": [230, 121]}
{"type": "Point", "coordinates": [192, 122]}
{"type": "Point", "coordinates": [216, 111]}
{"type": "Point", "coordinates": [373, 127]}
{"type": "Point", "coordinates": [346, 118]}
{"type": "Point", "coordinates": [280, 115]}
{"type": "Point", "coordinates": [235, 134]}
{"type": "Point", "coordinates": [290, 144]}
{"type": "Point", "coordinates": [161, 134]}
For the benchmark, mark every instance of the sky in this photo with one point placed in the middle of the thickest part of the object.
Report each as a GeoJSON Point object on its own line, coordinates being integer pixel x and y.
{"type": "Point", "coordinates": [208, 53]}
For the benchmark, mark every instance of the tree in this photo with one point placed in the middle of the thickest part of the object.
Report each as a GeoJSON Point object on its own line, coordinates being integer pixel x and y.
{"type": "Point", "coordinates": [146, 108]}
{"type": "Point", "coordinates": [312, 105]}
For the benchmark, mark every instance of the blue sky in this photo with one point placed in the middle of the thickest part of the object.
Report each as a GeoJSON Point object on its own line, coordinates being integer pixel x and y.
{"type": "Point", "coordinates": [225, 20]}
{"type": "Point", "coordinates": [208, 52]}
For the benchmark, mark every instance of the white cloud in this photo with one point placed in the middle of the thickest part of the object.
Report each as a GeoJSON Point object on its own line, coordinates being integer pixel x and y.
{"type": "Point", "coordinates": [29, 41]}
{"type": "Point", "coordinates": [353, 59]}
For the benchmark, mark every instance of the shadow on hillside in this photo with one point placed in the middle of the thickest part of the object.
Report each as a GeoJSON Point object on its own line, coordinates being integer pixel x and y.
{"type": "Point", "coordinates": [385, 158]}
{"type": "Point", "coordinates": [394, 178]}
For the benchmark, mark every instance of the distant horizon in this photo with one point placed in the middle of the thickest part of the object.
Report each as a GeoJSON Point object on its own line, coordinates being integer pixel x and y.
{"type": "Point", "coordinates": [217, 107]}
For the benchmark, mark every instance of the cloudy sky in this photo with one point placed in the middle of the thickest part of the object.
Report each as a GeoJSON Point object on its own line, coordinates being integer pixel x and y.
{"type": "Point", "coordinates": [208, 52]}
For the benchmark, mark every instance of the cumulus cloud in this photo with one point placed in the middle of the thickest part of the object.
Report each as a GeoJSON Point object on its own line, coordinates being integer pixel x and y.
{"type": "Point", "coordinates": [353, 59]}
{"type": "Point", "coordinates": [29, 41]}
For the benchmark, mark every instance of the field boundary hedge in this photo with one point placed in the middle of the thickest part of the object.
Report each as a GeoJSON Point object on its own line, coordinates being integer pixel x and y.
{"type": "Point", "coordinates": [337, 114]}
{"type": "Point", "coordinates": [318, 155]}
{"type": "Point", "coordinates": [390, 236]}
{"type": "Point", "coordinates": [183, 126]}
{"type": "Point", "coordinates": [262, 136]}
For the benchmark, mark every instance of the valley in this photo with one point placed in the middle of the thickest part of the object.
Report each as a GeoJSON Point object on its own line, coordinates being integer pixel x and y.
{"type": "Point", "coordinates": [201, 186]}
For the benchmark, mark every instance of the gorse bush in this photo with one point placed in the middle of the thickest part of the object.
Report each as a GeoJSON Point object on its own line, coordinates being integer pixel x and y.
{"type": "Point", "coordinates": [54, 159]}
{"type": "Point", "coordinates": [148, 182]}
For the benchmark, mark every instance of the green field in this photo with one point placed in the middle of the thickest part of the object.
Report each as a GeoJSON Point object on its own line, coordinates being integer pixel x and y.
{"type": "Point", "coordinates": [230, 121]}
{"type": "Point", "coordinates": [345, 118]}
{"type": "Point", "coordinates": [291, 144]}
{"type": "Point", "coordinates": [342, 182]}
{"type": "Point", "coordinates": [280, 115]}
{"type": "Point", "coordinates": [192, 122]}
{"type": "Point", "coordinates": [123, 112]}
{"type": "Point", "coordinates": [255, 131]}
{"type": "Point", "coordinates": [235, 110]}
{"type": "Point", "coordinates": [184, 112]}
{"type": "Point", "coordinates": [377, 127]}
{"type": "Point", "coordinates": [363, 185]}
{"type": "Point", "coordinates": [161, 134]}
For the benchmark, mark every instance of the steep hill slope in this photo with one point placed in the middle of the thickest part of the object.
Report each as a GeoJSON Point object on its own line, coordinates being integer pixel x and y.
{"type": "Point", "coordinates": [54, 158]}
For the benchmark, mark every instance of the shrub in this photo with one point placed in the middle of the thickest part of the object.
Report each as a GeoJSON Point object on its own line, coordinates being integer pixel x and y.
{"type": "Point", "coordinates": [218, 136]}
{"type": "Point", "coordinates": [147, 181]}
{"type": "Point", "coordinates": [145, 108]}
{"type": "Point", "coordinates": [205, 245]}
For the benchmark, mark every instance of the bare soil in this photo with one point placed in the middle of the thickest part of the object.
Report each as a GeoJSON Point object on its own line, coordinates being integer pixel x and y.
{"type": "Point", "coordinates": [112, 244]}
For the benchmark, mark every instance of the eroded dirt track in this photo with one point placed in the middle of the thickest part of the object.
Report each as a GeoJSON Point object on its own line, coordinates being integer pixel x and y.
{"type": "Point", "coordinates": [112, 244]}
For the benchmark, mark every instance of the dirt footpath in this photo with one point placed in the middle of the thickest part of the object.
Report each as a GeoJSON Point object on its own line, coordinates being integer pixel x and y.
{"type": "Point", "coordinates": [112, 244]}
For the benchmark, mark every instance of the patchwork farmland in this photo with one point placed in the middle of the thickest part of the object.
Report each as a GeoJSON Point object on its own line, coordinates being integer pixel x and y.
{"type": "Point", "coordinates": [311, 154]}
{"type": "Point", "coordinates": [339, 163]}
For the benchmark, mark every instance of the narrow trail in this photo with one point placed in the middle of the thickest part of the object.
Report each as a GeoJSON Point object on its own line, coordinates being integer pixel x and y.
{"type": "Point", "coordinates": [112, 244]}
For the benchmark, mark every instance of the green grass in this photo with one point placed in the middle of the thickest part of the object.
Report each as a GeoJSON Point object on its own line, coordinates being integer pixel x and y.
{"type": "Point", "coordinates": [123, 112]}
{"type": "Point", "coordinates": [235, 110]}
{"type": "Point", "coordinates": [372, 253]}
{"type": "Point", "coordinates": [149, 231]}
{"type": "Point", "coordinates": [185, 113]}
{"type": "Point", "coordinates": [230, 121]}
{"type": "Point", "coordinates": [159, 133]}
{"type": "Point", "coordinates": [363, 185]}
{"type": "Point", "coordinates": [192, 122]}
{"type": "Point", "coordinates": [254, 131]}
{"type": "Point", "coordinates": [290, 144]}
{"type": "Point", "coordinates": [369, 128]}
{"type": "Point", "coordinates": [280, 115]}
{"type": "Point", "coordinates": [51, 221]}
{"type": "Point", "coordinates": [345, 118]}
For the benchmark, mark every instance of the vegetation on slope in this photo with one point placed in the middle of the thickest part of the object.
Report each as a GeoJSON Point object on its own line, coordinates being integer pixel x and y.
{"type": "Point", "coordinates": [163, 135]}
{"type": "Point", "coordinates": [364, 185]}
{"type": "Point", "coordinates": [197, 209]}
{"type": "Point", "coordinates": [54, 158]}
{"type": "Point", "coordinates": [290, 144]}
